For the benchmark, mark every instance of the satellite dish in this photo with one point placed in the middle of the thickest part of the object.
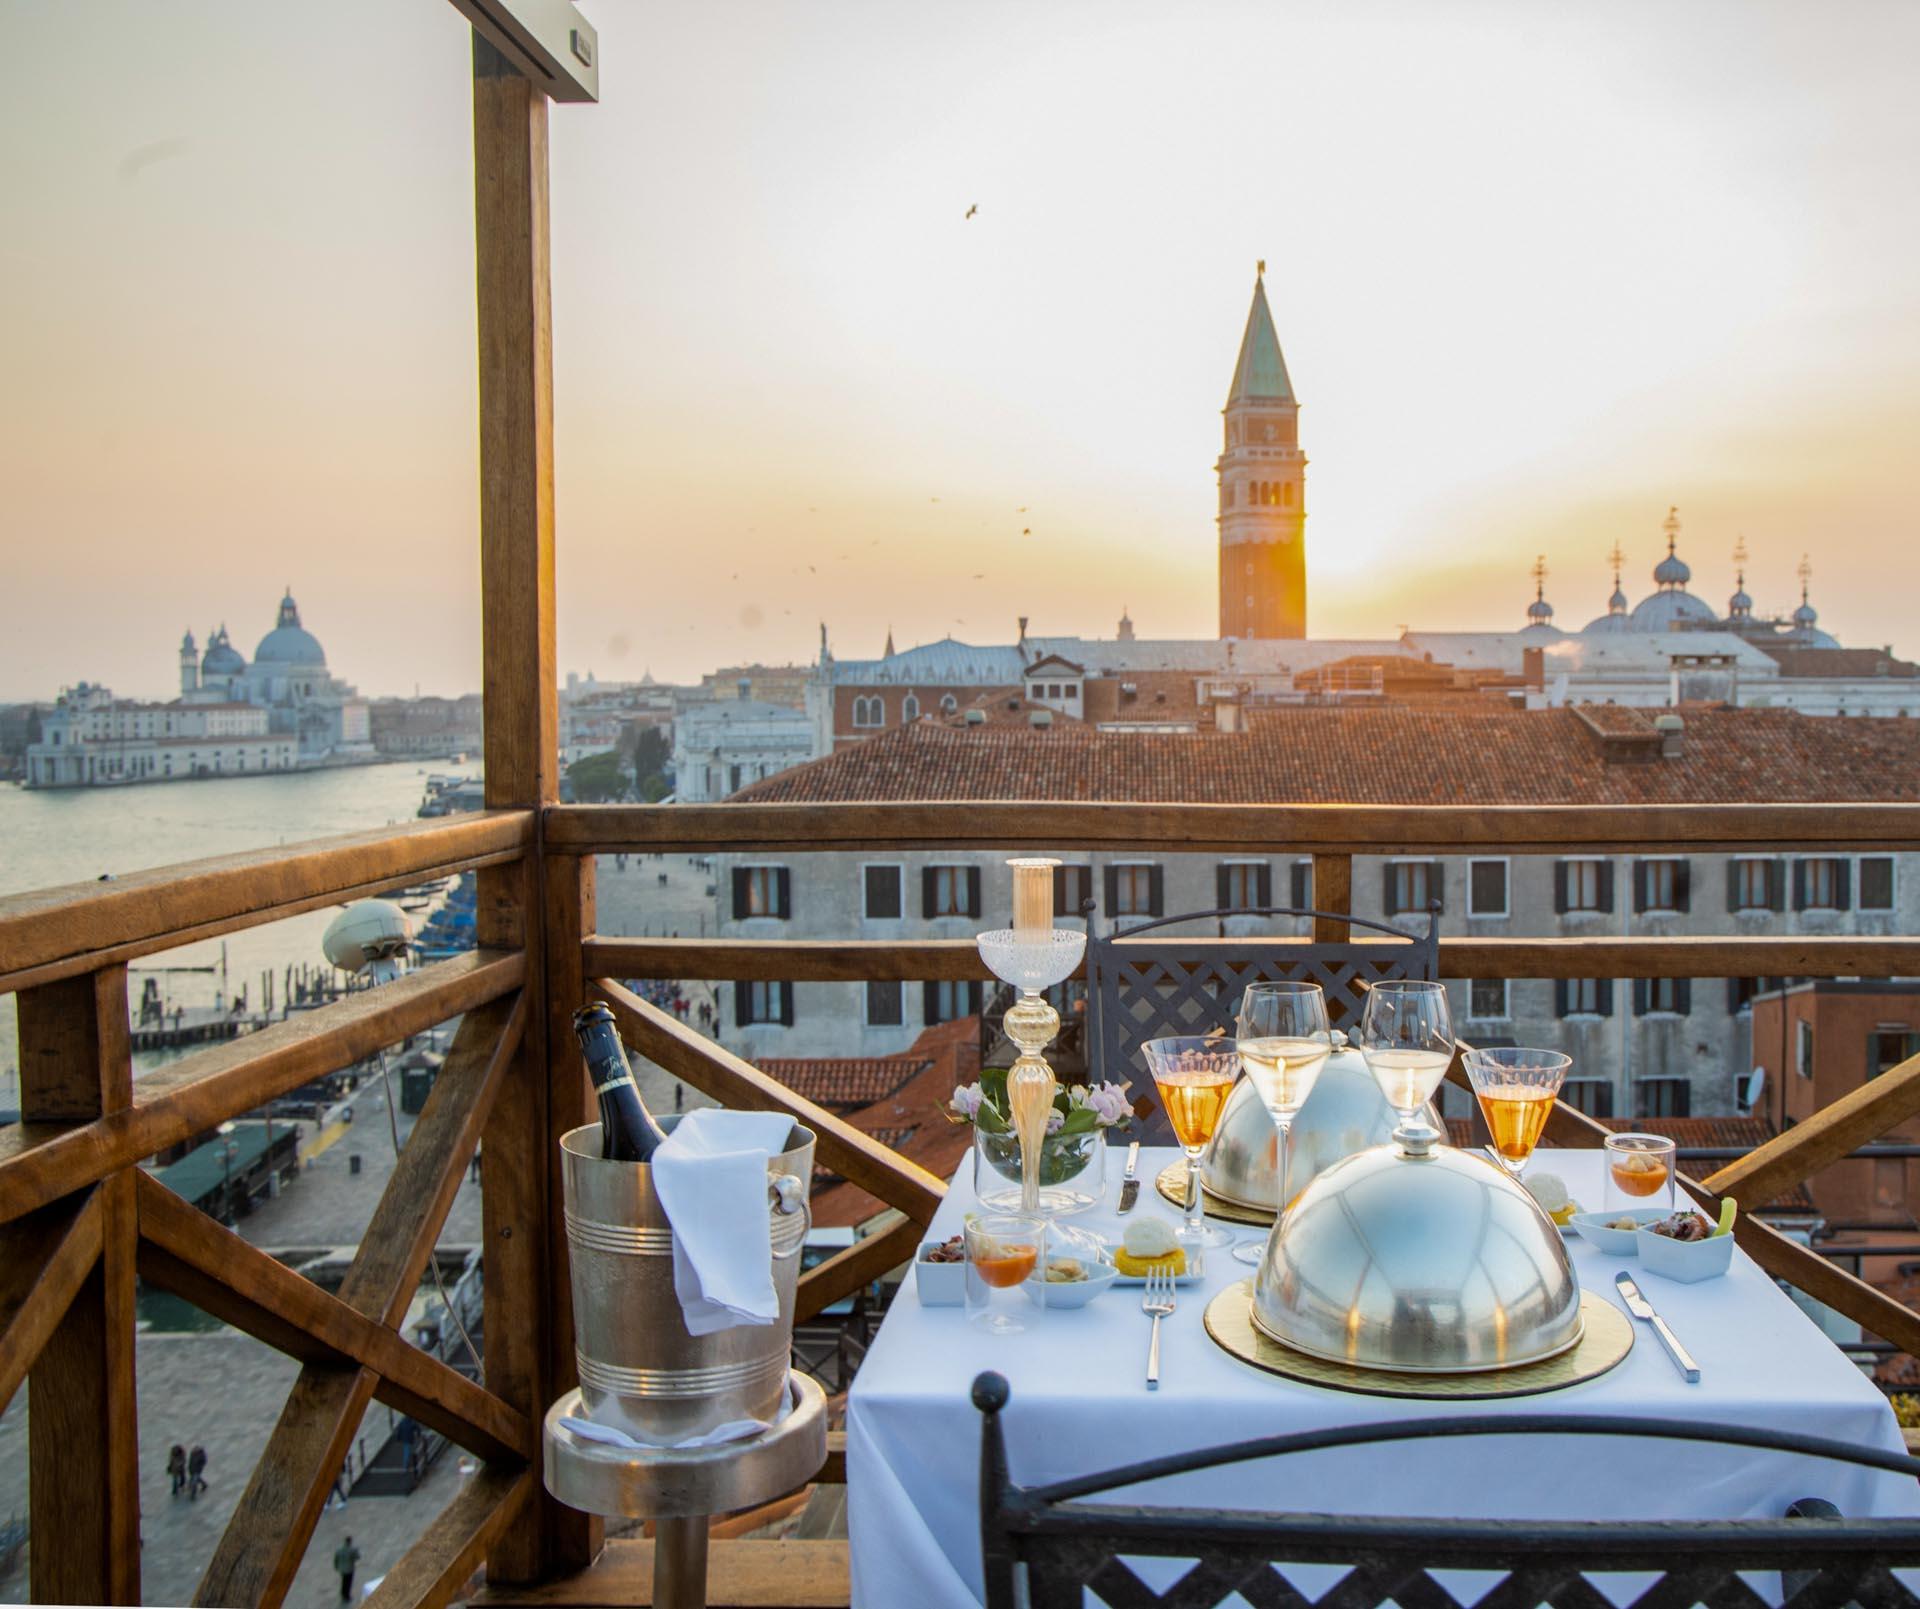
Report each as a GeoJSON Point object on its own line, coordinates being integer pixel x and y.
{"type": "Point", "coordinates": [369, 935]}
{"type": "Point", "coordinates": [1750, 1087]}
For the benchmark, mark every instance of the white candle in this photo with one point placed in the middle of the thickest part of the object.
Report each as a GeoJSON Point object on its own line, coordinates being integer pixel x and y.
{"type": "Point", "coordinates": [1032, 896]}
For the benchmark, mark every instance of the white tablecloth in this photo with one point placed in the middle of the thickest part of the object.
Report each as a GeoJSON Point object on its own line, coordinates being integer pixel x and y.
{"type": "Point", "coordinates": [1079, 1404]}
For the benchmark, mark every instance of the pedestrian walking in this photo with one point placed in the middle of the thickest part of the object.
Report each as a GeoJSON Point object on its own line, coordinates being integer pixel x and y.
{"type": "Point", "coordinates": [345, 1557]}
{"type": "Point", "coordinates": [177, 1467]}
{"type": "Point", "coordinates": [196, 1472]}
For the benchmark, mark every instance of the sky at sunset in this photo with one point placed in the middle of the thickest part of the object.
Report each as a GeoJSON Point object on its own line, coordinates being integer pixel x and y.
{"type": "Point", "coordinates": [1539, 272]}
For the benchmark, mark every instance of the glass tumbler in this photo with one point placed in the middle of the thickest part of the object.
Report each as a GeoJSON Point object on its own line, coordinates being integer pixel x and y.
{"type": "Point", "coordinates": [1639, 1172]}
{"type": "Point", "coordinates": [1002, 1250]}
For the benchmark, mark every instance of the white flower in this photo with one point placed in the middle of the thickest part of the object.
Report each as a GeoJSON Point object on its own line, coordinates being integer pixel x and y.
{"type": "Point", "coordinates": [1056, 1120]}
{"type": "Point", "coordinates": [1109, 1103]}
{"type": "Point", "coordinates": [966, 1101]}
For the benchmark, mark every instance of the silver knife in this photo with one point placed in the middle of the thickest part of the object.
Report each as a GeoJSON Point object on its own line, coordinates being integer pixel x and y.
{"type": "Point", "coordinates": [1130, 1185]}
{"type": "Point", "coordinates": [1641, 1308]}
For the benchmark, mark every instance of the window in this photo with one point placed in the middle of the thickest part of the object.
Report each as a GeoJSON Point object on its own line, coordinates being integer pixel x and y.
{"type": "Point", "coordinates": [1889, 1181]}
{"type": "Point", "coordinates": [1662, 1097]}
{"type": "Point", "coordinates": [1583, 885]}
{"type": "Point", "coordinates": [1134, 889]}
{"type": "Point", "coordinates": [1821, 885]}
{"type": "Point", "coordinates": [910, 708]}
{"type": "Point", "coordinates": [1594, 1096]}
{"type": "Point", "coordinates": [1412, 885]}
{"type": "Point", "coordinates": [1661, 885]}
{"type": "Point", "coordinates": [886, 1006]}
{"type": "Point", "coordinates": [1486, 888]}
{"type": "Point", "coordinates": [764, 1003]}
{"type": "Point", "coordinates": [1583, 997]}
{"type": "Point", "coordinates": [1753, 885]}
{"type": "Point", "coordinates": [1803, 1049]}
{"type": "Point", "coordinates": [1740, 993]}
{"type": "Point", "coordinates": [1243, 885]}
{"type": "Point", "coordinates": [948, 703]}
{"type": "Point", "coordinates": [1887, 1048]}
{"type": "Point", "coordinates": [762, 891]}
{"type": "Point", "coordinates": [1072, 889]}
{"type": "Point", "coordinates": [733, 779]}
{"type": "Point", "coordinates": [1876, 883]}
{"type": "Point", "coordinates": [1487, 999]}
{"type": "Point", "coordinates": [946, 1002]}
{"type": "Point", "coordinates": [949, 891]}
{"type": "Point", "coordinates": [1662, 997]}
{"type": "Point", "coordinates": [882, 891]}
{"type": "Point", "coordinates": [1300, 885]}
{"type": "Point", "coordinates": [869, 712]}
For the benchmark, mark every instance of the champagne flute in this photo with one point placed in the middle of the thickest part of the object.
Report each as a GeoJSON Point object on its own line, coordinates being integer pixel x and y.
{"type": "Point", "coordinates": [1406, 1036]}
{"type": "Point", "coordinates": [1516, 1088]}
{"type": "Point", "coordinates": [1194, 1077]}
{"type": "Point", "coordinates": [1284, 1042]}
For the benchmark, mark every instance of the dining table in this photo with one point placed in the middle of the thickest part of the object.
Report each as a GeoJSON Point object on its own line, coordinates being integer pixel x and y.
{"type": "Point", "coordinates": [1080, 1403]}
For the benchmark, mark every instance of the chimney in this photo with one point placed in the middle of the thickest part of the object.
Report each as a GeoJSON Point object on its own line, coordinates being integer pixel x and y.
{"type": "Point", "coordinates": [1533, 667]}
{"type": "Point", "coordinates": [1226, 716]}
{"type": "Point", "coordinates": [1672, 730]}
{"type": "Point", "coordinates": [1041, 718]}
{"type": "Point", "coordinates": [1022, 644]}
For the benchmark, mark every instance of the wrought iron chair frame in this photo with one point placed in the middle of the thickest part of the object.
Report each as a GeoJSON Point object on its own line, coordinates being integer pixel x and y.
{"type": "Point", "coordinates": [1069, 1547]}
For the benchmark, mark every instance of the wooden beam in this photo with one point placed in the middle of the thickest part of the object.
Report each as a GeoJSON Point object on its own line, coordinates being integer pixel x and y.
{"type": "Point", "coordinates": [83, 1449]}
{"type": "Point", "coordinates": [1856, 1118]}
{"type": "Point", "coordinates": [56, 932]}
{"type": "Point", "coordinates": [859, 1264]}
{"type": "Point", "coordinates": [1824, 1280]}
{"type": "Point", "coordinates": [436, 1569]}
{"type": "Point", "coordinates": [937, 960]}
{"type": "Point", "coordinates": [186, 1252]}
{"type": "Point", "coordinates": [41, 1161]}
{"type": "Point", "coordinates": [259, 1553]}
{"type": "Point", "coordinates": [1178, 828]}
{"type": "Point", "coordinates": [741, 1574]}
{"type": "Point", "coordinates": [44, 1259]}
{"type": "Point", "coordinates": [717, 1072]}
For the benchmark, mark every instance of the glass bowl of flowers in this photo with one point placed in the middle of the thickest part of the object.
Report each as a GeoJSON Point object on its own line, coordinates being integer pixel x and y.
{"type": "Point", "coordinates": [1073, 1157]}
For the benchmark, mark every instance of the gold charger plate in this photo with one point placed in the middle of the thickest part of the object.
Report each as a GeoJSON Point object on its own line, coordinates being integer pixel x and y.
{"type": "Point", "coordinates": [1608, 1339]}
{"type": "Point", "coordinates": [1172, 1184]}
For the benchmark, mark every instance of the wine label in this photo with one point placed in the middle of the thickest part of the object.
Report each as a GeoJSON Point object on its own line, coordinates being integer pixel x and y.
{"type": "Point", "coordinates": [612, 1083]}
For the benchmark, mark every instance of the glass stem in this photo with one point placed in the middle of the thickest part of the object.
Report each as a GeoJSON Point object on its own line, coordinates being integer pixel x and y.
{"type": "Point", "coordinates": [1285, 1125]}
{"type": "Point", "coordinates": [1196, 1225]}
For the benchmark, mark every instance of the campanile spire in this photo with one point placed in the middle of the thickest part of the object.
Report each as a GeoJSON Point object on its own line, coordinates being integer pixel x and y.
{"type": "Point", "coordinates": [1263, 515]}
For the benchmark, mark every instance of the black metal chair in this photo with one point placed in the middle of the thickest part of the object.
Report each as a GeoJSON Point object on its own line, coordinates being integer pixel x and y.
{"type": "Point", "coordinates": [1071, 1548]}
{"type": "Point", "coordinates": [1140, 989]}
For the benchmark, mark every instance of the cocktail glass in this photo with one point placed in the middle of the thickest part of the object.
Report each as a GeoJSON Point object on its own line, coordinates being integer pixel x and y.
{"type": "Point", "coordinates": [1406, 1036]}
{"type": "Point", "coordinates": [1639, 1171]}
{"type": "Point", "coordinates": [1002, 1249]}
{"type": "Point", "coordinates": [1284, 1042]}
{"type": "Point", "coordinates": [1194, 1077]}
{"type": "Point", "coordinates": [1516, 1087]}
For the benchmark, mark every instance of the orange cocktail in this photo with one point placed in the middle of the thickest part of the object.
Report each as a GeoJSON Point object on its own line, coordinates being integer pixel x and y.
{"type": "Point", "coordinates": [1002, 1249]}
{"type": "Point", "coordinates": [1009, 1267]}
{"type": "Point", "coordinates": [1516, 1089]}
{"type": "Point", "coordinates": [1194, 1076]}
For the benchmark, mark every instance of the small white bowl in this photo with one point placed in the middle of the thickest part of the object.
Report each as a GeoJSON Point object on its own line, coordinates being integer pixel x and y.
{"type": "Point", "coordinates": [1592, 1228]}
{"type": "Point", "coordinates": [1685, 1260]}
{"type": "Point", "coordinates": [938, 1284]}
{"type": "Point", "coordinates": [1045, 1293]}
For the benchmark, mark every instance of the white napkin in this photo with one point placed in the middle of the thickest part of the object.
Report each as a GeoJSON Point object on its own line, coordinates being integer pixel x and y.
{"type": "Point", "coordinates": [732, 1430]}
{"type": "Point", "coordinates": [711, 1177]}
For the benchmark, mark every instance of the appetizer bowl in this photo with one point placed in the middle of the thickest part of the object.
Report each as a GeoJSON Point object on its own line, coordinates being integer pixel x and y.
{"type": "Point", "coordinates": [1685, 1260]}
{"type": "Point", "coordinates": [1592, 1227]}
{"type": "Point", "coordinates": [938, 1284]}
{"type": "Point", "coordinates": [1044, 1292]}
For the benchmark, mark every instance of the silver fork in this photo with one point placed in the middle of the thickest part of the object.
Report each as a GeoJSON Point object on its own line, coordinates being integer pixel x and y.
{"type": "Point", "coordinates": [1156, 1299]}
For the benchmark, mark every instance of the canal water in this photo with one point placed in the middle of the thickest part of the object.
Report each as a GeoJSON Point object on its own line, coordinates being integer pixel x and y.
{"type": "Point", "coordinates": [75, 835]}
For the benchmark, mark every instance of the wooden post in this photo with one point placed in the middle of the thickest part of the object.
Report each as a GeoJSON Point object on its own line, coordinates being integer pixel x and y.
{"type": "Point", "coordinates": [529, 1348]}
{"type": "Point", "coordinates": [83, 1434]}
{"type": "Point", "coordinates": [1333, 893]}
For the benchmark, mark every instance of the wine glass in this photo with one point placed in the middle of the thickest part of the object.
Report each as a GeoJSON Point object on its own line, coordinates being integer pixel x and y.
{"type": "Point", "coordinates": [1516, 1088]}
{"type": "Point", "coordinates": [1194, 1077]}
{"type": "Point", "coordinates": [1284, 1042]}
{"type": "Point", "coordinates": [1406, 1036]}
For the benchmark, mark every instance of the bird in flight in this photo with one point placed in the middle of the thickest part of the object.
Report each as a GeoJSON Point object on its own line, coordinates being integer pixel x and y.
{"type": "Point", "coordinates": [1021, 509]}
{"type": "Point", "coordinates": [1026, 530]}
{"type": "Point", "coordinates": [971, 211]}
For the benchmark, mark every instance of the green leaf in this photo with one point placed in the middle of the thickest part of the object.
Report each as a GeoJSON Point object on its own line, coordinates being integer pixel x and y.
{"type": "Point", "coordinates": [1079, 1121]}
{"type": "Point", "coordinates": [989, 1119]}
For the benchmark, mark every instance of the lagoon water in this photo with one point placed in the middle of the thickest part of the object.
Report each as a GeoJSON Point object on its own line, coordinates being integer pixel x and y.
{"type": "Point", "coordinates": [75, 835]}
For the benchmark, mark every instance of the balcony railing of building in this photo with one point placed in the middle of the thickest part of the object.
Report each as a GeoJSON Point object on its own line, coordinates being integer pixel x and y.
{"type": "Point", "coordinates": [80, 1219]}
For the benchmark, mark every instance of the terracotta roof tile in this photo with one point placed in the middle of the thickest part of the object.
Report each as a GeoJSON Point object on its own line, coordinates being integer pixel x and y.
{"type": "Point", "coordinates": [843, 1082]}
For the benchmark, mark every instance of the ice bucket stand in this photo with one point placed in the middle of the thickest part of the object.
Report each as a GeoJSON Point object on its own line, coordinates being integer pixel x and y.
{"type": "Point", "coordinates": [678, 1488]}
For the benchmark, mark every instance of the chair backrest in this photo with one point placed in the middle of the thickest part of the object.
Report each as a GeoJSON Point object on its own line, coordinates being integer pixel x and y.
{"type": "Point", "coordinates": [1143, 988]}
{"type": "Point", "coordinates": [1071, 1548]}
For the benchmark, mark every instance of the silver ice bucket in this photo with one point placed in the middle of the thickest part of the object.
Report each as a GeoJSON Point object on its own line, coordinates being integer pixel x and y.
{"type": "Point", "coordinates": [640, 1371]}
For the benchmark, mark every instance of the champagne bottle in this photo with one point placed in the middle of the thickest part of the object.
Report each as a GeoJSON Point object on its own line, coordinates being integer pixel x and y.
{"type": "Point", "coordinates": [628, 1132]}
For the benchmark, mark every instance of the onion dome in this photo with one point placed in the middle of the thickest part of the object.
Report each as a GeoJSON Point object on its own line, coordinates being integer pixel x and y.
{"type": "Point", "coordinates": [187, 644]}
{"type": "Point", "coordinates": [289, 643]}
{"type": "Point", "coordinates": [1617, 603]}
{"type": "Point", "coordinates": [1672, 571]}
{"type": "Point", "coordinates": [1540, 612]}
{"type": "Point", "coordinates": [1740, 606]}
{"type": "Point", "coordinates": [221, 657]}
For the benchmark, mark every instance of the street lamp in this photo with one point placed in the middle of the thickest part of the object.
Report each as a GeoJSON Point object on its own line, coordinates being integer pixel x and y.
{"type": "Point", "coordinates": [226, 1172]}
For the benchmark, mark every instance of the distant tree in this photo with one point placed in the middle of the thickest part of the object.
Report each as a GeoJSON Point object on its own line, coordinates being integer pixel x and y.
{"type": "Point", "coordinates": [600, 778]}
{"type": "Point", "coordinates": [654, 789]}
{"type": "Point", "coordinates": [647, 752]}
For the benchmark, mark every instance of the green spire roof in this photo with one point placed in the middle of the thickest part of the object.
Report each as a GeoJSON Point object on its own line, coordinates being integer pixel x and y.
{"type": "Point", "coordinates": [1261, 372]}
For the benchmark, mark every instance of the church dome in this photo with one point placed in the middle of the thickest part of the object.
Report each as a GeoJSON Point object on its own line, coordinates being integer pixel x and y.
{"type": "Point", "coordinates": [1739, 606]}
{"type": "Point", "coordinates": [1672, 571]}
{"type": "Point", "coordinates": [1539, 613]}
{"type": "Point", "coordinates": [1805, 615]}
{"type": "Point", "coordinates": [221, 657]}
{"type": "Point", "coordinates": [1673, 610]}
{"type": "Point", "coordinates": [289, 643]}
{"type": "Point", "coordinates": [1612, 622]}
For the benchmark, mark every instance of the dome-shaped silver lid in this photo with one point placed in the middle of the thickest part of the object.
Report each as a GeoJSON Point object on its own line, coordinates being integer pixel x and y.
{"type": "Point", "coordinates": [1345, 1113]}
{"type": "Point", "coordinates": [1438, 1263]}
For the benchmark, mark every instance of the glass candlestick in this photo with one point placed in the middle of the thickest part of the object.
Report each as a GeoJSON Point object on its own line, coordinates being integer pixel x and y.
{"type": "Point", "coordinates": [1031, 962]}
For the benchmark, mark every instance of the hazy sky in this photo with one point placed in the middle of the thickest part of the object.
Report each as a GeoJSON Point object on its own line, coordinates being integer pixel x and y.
{"type": "Point", "coordinates": [1539, 272]}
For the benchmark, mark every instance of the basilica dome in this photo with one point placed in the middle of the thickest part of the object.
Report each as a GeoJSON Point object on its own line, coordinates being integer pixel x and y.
{"type": "Point", "coordinates": [221, 657]}
{"type": "Point", "coordinates": [289, 643]}
{"type": "Point", "coordinates": [1671, 611]}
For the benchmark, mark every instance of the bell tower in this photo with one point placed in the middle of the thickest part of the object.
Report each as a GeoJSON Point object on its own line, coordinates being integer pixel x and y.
{"type": "Point", "coordinates": [1263, 487]}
